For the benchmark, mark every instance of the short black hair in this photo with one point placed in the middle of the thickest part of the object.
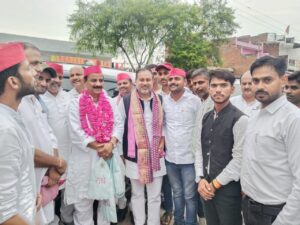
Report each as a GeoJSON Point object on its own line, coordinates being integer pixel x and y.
{"type": "Point", "coordinates": [295, 76]}
{"type": "Point", "coordinates": [278, 64]}
{"type": "Point", "coordinates": [189, 74]}
{"type": "Point", "coordinates": [222, 74]}
{"type": "Point", "coordinates": [5, 74]}
{"type": "Point", "coordinates": [141, 70]}
{"type": "Point", "coordinates": [200, 72]}
{"type": "Point", "coordinates": [150, 66]}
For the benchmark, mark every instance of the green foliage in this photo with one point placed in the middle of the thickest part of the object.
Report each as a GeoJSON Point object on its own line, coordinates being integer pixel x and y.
{"type": "Point", "coordinates": [139, 27]}
{"type": "Point", "coordinates": [199, 48]}
{"type": "Point", "coordinates": [192, 51]}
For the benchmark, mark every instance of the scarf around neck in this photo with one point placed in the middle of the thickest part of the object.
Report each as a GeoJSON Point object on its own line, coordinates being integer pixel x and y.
{"type": "Point", "coordinates": [148, 157]}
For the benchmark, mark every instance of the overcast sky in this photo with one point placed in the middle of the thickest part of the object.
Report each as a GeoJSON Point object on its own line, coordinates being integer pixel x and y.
{"type": "Point", "coordinates": [48, 18]}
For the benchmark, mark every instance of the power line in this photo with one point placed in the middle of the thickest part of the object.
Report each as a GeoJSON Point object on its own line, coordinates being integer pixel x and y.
{"type": "Point", "coordinates": [277, 22]}
{"type": "Point", "coordinates": [256, 22]}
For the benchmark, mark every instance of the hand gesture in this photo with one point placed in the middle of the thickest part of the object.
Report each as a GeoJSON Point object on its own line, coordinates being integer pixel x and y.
{"type": "Point", "coordinates": [206, 190]}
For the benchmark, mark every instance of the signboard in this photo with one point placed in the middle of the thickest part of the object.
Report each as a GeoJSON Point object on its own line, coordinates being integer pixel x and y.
{"type": "Point", "coordinates": [80, 61]}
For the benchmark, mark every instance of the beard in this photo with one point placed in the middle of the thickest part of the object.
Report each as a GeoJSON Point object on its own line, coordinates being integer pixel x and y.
{"type": "Point", "coordinates": [26, 89]}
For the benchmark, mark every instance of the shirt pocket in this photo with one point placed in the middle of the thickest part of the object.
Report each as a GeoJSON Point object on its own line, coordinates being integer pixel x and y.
{"type": "Point", "coordinates": [185, 116]}
{"type": "Point", "coordinates": [268, 148]}
{"type": "Point", "coordinates": [63, 107]}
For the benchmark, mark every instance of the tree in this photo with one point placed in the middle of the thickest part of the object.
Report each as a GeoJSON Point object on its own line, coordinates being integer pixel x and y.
{"type": "Point", "coordinates": [192, 51]}
{"type": "Point", "coordinates": [138, 27]}
{"type": "Point", "coordinates": [199, 48]}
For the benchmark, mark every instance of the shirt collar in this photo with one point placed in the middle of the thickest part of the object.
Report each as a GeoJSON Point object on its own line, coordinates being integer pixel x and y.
{"type": "Point", "coordinates": [277, 104]}
{"type": "Point", "coordinates": [184, 95]}
{"type": "Point", "coordinates": [8, 109]}
{"type": "Point", "coordinates": [224, 110]}
{"type": "Point", "coordinates": [58, 94]}
{"type": "Point", "coordinates": [143, 99]}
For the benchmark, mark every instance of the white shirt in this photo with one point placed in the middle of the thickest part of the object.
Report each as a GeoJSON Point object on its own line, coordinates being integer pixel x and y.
{"type": "Point", "coordinates": [82, 158]}
{"type": "Point", "coordinates": [162, 93]}
{"type": "Point", "coordinates": [180, 122]}
{"type": "Point", "coordinates": [131, 168]}
{"type": "Point", "coordinates": [73, 93]}
{"type": "Point", "coordinates": [17, 183]}
{"type": "Point", "coordinates": [58, 110]}
{"type": "Point", "coordinates": [271, 159]}
{"type": "Point", "coordinates": [42, 137]}
{"type": "Point", "coordinates": [248, 108]}
{"type": "Point", "coordinates": [207, 105]}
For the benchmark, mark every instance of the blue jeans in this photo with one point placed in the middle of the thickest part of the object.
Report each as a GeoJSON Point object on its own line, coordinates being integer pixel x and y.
{"type": "Point", "coordinates": [167, 204]}
{"type": "Point", "coordinates": [182, 180]}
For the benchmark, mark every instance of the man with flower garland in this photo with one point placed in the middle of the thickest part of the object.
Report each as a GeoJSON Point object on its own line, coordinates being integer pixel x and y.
{"type": "Point", "coordinates": [96, 127]}
{"type": "Point", "coordinates": [143, 147]}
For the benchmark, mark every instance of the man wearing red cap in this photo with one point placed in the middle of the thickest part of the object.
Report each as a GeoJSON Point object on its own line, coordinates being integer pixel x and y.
{"type": "Point", "coordinates": [57, 102]}
{"type": "Point", "coordinates": [48, 165]}
{"type": "Point", "coordinates": [76, 80]}
{"type": "Point", "coordinates": [163, 71]}
{"type": "Point", "coordinates": [181, 108]}
{"type": "Point", "coordinates": [96, 127]}
{"type": "Point", "coordinates": [125, 85]}
{"type": "Point", "coordinates": [17, 184]}
{"type": "Point", "coordinates": [143, 147]}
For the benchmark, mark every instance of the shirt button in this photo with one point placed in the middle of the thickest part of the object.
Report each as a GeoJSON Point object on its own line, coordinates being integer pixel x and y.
{"type": "Point", "coordinates": [208, 153]}
{"type": "Point", "coordinates": [211, 129]}
{"type": "Point", "coordinates": [206, 167]}
{"type": "Point", "coordinates": [209, 141]}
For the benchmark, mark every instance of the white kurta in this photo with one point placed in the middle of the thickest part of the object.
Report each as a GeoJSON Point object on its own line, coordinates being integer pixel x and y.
{"type": "Point", "coordinates": [73, 93]}
{"type": "Point", "coordinates": [82, 158]}
{"type": "Point", "coordinates": [42, 137]}
{"type": "Point", "coordinates": [131, 168]}
{"type": "Point", "coordinates": [17, 183]}
{"type": "Point", "coordinates": [58, 109]}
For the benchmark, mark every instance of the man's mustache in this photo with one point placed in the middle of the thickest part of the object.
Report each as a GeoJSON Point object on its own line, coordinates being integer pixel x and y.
{"type": "Point", "coordinates": [261, 92]}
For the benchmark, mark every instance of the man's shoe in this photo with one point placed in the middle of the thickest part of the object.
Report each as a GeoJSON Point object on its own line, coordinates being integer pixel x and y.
{"type": "Point", "coordinates": [121, 214]}
{"type": "Point", "coordinates": [202, 221]}
{"type": "Point", "coordinates": [166, 218]}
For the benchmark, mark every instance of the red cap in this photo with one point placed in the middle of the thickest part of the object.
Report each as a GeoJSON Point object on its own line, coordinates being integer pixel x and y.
{"type": "Point", "coordinates": [57, 67]}
{"type": "Point", "coordinates": [92, 69]}
{"type": "Point", "coordinates": [10, 55]}
{"type": "Point", "coordinates": [123, 76]}
{"type": "Point", "coordinates": [177, 72]}
{"type": "Point", "coordinates": [167, 66]}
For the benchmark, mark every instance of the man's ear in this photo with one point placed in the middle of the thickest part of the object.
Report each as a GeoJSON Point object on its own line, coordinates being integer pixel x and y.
{"type": "Point", "coordinates": [232, 89]}
{"type": "Point", "coordinates": [13, 82]}
{"type": "Point", "coordinates": [284, 80]}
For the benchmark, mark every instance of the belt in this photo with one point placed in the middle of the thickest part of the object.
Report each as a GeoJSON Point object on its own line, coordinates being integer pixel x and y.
{"type": "Point", "coordinates": [271, 210]}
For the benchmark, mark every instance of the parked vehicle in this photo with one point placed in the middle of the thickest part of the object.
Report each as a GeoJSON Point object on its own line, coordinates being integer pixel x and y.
{"type": "Point", "coordinates": [110, 83]}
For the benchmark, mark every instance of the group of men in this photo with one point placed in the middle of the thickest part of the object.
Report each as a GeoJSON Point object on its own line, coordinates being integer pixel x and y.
{"type": "Point", "coordinates": [207, 153]}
